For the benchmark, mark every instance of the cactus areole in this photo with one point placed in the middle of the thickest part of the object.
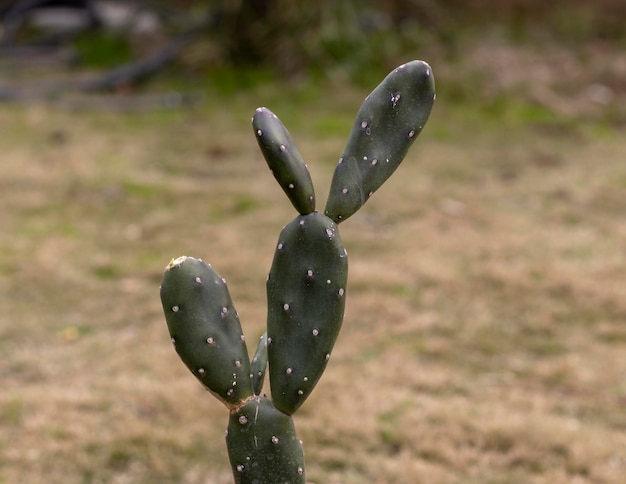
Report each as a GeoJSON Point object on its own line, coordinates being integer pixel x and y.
{"type": "Point", "coordinates": [306, 285]}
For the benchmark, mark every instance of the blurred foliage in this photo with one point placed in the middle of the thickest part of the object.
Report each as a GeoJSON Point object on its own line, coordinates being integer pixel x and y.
{"type": "Point", "coordinates": [101, 48]}
{"type": "Point", "coordinates": [526, 59]}
{"type": "Point", "coordinates": [355, 39]}
{"type": "Point", "coordinates": [563, 55]}
{"type": "Point", "coordinates": [354, 36]}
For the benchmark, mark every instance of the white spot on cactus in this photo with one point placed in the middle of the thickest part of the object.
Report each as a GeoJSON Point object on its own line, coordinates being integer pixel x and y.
{"type": "Point", "coordinates": [243, 420]}
{"type": "Point", "coordinates": [411, 133]}
{"type": "Point", "coordinates": [341, 292]}
{"type": "Point", "coordinates": [427, 72]}
{"type": "Point", "coordinates": [288, 371]}
{"type": "Point", "coordinates": [274, 439]}
{"type": "Point", "coordinates": [259, 132]}
{"type": "Point", "coordinates": [300, 392]}
{"type": "Point", "coordinates": [223, 280]}
{"type": "Point", "coordinates": [374, 161]}
{"type": "Point", "coordinates": [175, 309]}
{"type": "Point", "coordinates": [370, 194]}
{"type": "Point", "coordinates": [242, 337]}
{"type": "Point", "coordinates": [327, 356]}
{"type": "Point", "coordinates": [394, 99]}
{"type": "Point", "coordinates": [328, 281]}
{"type": "Point", "coordinates": [201, 371]}
{"type": "Point", "coordinates": [300, 469]}
{"type": "Point", "coordinates": [269, 341]}
{"type": "Point", "coordinates": [224, 311]}
{"type": "Point", "coordinates": [386, 160]}
{"type": "Point", "coordinates": [210, 340]}
{"type": "Point", "coordinates": [330, 234]}
{"type": "Point", "coordinates": [306, 378]}
{"type": "Point", "coordinates": [282, 148]}
{"type": "Point", "coordinates": [286, 307]}
{"type": "Point", "coordinates": [240, 468]}
{"type": "Point", "coordinates": [315, 332]}
{"type": "Point", "coordinates": [363, 124]}
{"type": "Point", "coordinates": [291, 186]}
{"type": "Point", "coordinates": [176, 262]}
{"type": "Point", "coordinates": [301, 223]}
{"type": "Point", "coordinates": [280, 246]}
{"type": "Point", "coordinates": [230, 392]}
{"type": "Point", "coordinates": [309, 273]}
{"type": "Point", "coordinates": [340, 160]}
{"type": "Point", "coordinates": [173, 340]}
{"type": "Point", "coordinates": [344, 190]}
{"type": "Point", "coordinates": [198, 280]}
{"type": "Point", "coordinates": [238, 364]}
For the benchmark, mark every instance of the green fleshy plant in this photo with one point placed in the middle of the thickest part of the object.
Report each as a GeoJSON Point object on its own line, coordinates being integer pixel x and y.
{"type": "Point", "coordinates": [306, 285]}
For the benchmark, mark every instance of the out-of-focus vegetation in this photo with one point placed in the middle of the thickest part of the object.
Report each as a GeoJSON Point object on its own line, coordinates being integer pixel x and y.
{"type": "Point", "coordinates": [360, 37]}
{"type": "Point", "coordinates": [529, 57]}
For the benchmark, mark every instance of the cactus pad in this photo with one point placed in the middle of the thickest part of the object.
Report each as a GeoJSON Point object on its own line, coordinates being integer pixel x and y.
{"type": "Point", "coordinates": [306, 290]}
{"type": "Point", "coordinates": [205, 329]}
{"type": "Point", "coordinates": [259, 365]}
{"type": "Point", "coordinates": [263, 446]}
{"type": "Point", "coordinates": [386, 125]}
{"type": "Point", "coordinates": [284, 160]}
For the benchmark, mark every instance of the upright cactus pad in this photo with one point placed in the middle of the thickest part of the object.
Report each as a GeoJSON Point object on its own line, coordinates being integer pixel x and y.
{"type": "Point", "coordinates": [263, 446]}
{"type": "Point", "coordinates": [258, 365]}
{"type": "Point", "coordinates": [306, 285]}
{"type": "Point", "coordinates": [284, 160]}
{"type": "Point", "coordinates": [205, 329]}
{"type": "Point", "coordinates": [387, 124]}
{"type": "Point", "coordinates": [306, 291]}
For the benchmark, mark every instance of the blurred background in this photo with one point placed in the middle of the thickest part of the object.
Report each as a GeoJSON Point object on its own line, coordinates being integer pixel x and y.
{"type": "Point", "coordinates": [484, 335]}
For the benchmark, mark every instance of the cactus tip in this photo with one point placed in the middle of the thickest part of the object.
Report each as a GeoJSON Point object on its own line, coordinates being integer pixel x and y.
{"type": "Point", "coordinates": [176, 262]}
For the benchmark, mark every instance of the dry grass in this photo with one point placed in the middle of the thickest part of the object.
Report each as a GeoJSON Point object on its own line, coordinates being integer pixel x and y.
{"type": "Point", "coordinates": [484, 338]}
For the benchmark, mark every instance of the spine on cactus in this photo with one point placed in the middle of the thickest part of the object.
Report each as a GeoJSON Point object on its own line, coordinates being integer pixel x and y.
{"type": "Point", "coordinates": [306, 285]}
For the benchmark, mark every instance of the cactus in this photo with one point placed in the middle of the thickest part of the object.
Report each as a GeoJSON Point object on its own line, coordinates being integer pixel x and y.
{"type": "Point", "coordinates": [386, 126]}
{"type": "Point", "coordinates": [306, 285]}
{"type": "Point", "coordinates": [205, 329]}
{"type": "Point", "coordinates": [306, 291]}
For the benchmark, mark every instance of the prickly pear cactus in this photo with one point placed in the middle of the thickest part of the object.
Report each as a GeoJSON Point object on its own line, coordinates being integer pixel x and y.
{"type": "Point", "coordinates": [306, 285]}
{"type": "Point", "coordinates": [306, 294]}
{"type": "Point", "coordinates": [386, 126]}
